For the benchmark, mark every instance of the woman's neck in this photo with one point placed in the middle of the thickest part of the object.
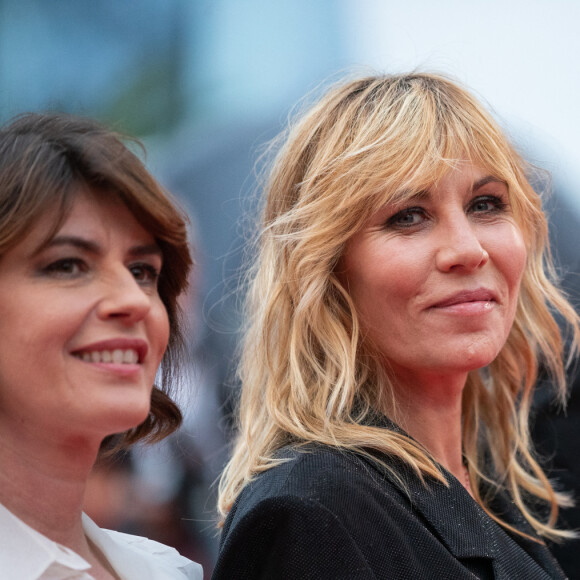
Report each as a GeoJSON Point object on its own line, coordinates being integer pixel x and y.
{"type": "Point", "coordinates": [429, 409]}
{"type": "Point", "coordinates": [43, 481]}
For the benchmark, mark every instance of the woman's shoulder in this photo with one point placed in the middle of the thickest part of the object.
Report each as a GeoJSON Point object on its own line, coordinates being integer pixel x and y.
{"type": "Point", "coordinates": [320, 512]}
{"type": "Point", "coordinates": [316, 476]}
{"type": "Point", "coordinates": [311, 464]}
{"type": "Point", "coordinates": [139, 557]}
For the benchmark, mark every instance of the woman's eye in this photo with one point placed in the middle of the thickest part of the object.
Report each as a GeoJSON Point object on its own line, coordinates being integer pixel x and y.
{"type": "Point", "coordinates": [407, 218]}
{"type": "Point", "coordinates": [66, 268]}
{"type": "Point", "coordinates": [145, 274]}
{"type": "Point", "coordinates": [488, 203]}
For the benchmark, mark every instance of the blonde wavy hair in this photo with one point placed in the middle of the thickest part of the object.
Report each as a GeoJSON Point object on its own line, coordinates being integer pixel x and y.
{"type": "Point", "coordinates": [307, 375]}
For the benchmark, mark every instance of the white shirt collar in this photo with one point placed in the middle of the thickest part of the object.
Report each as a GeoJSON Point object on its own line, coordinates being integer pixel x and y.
{"type": "Point", "coordinates": [28, 555]}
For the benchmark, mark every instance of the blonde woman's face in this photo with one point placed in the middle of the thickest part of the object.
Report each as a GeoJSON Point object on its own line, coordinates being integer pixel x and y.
{"type": "Point", "coordinates": [435, 281]}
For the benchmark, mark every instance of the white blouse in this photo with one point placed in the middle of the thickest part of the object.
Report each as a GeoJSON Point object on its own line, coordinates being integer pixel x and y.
{"type": "Point", "coordinates": [26, 554]}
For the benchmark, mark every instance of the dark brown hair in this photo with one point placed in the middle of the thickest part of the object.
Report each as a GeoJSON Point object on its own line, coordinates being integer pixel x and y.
{"type": "Point", "coordinates": [45, 160]}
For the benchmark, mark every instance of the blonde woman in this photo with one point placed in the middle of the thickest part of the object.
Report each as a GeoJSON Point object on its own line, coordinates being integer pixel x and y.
{"type": "Point", "coordinates": [400, 304]}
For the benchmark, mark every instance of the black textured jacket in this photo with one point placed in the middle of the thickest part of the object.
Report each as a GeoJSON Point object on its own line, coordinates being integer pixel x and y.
{"type": "Point", "coordinates": [328, 514]}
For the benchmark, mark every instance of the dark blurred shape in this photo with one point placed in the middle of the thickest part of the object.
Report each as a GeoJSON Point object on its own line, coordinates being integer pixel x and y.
{"type": "Point", "coordinates": [557, 433]}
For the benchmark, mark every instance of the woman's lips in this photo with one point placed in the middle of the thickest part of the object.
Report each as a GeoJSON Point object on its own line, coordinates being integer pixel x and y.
{"type": "Point", "coordinates": [467, 302]}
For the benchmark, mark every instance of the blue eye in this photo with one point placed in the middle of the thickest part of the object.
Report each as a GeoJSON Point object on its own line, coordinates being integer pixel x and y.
{"type": "Point", "coordinates": [406, 218]}
{"type": "Point", "coordinates": [488, 204]}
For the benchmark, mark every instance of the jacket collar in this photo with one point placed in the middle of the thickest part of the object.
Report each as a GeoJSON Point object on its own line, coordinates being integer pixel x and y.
{"type": "Point", "coordinates": [450, 511]}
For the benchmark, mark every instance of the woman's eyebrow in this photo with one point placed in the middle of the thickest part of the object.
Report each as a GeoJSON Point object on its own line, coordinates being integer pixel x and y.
{"type": "Point", "coordinates": [146, 250]}
{"type": "Point", "coordinates": [485, 180]}
{"type": "Point", "coordinates": [74, 241]}
{"type": "Point", "coordinates": [409, 196]}
{"type": "Point", "coordinates": [92, 247]}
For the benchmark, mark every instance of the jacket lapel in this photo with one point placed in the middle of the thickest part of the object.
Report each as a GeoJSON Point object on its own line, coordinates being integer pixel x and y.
{"type": "Point", "coordinates": [462, 525]}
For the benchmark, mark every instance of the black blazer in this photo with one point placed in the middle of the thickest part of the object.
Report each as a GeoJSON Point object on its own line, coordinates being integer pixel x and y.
{"type": "Point", "coordinates": [330, 514]}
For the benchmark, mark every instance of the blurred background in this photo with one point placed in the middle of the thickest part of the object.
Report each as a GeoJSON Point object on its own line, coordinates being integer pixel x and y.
{"type": "Point", "coordinates": [204, 84]}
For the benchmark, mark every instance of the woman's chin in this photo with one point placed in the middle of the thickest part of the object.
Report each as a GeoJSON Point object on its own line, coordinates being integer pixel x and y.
{"type": "Point", "coordinates": [118, 419]}
{"type": "Point", "coordinates": [474, 356]}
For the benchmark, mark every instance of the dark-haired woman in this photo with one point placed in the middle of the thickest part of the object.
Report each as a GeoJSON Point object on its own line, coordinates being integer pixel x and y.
{"type": "Point", "coordinates": [93, 255]}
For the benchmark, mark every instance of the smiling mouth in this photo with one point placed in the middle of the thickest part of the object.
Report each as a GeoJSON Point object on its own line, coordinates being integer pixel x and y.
{"type": "Point", "coordinates": [451, 304]}
{"type": "Point", "coordinates": [466, 298]}
{"type": "Point", "coordinates": [128, 356]}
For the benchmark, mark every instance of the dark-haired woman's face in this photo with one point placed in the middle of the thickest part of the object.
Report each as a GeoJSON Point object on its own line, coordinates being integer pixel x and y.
{"type": "Point", "coordinates": [436, 280]}
{"type": "Point", "coordinates": [82, 326]}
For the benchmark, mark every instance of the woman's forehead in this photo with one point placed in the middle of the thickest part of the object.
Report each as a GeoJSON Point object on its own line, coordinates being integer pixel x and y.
{"type": "Point", "coordinates": [55, 212]}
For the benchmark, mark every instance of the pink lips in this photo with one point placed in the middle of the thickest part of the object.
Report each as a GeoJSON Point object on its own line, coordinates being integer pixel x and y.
{"type": "Point", "coordinates": [466, 297]}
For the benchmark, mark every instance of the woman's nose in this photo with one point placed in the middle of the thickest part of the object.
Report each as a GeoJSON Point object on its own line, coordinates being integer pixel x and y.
{"type": "Point", "coordinates": [460, 248]}
{"type": "Point", "coordinates": [123, 298]}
